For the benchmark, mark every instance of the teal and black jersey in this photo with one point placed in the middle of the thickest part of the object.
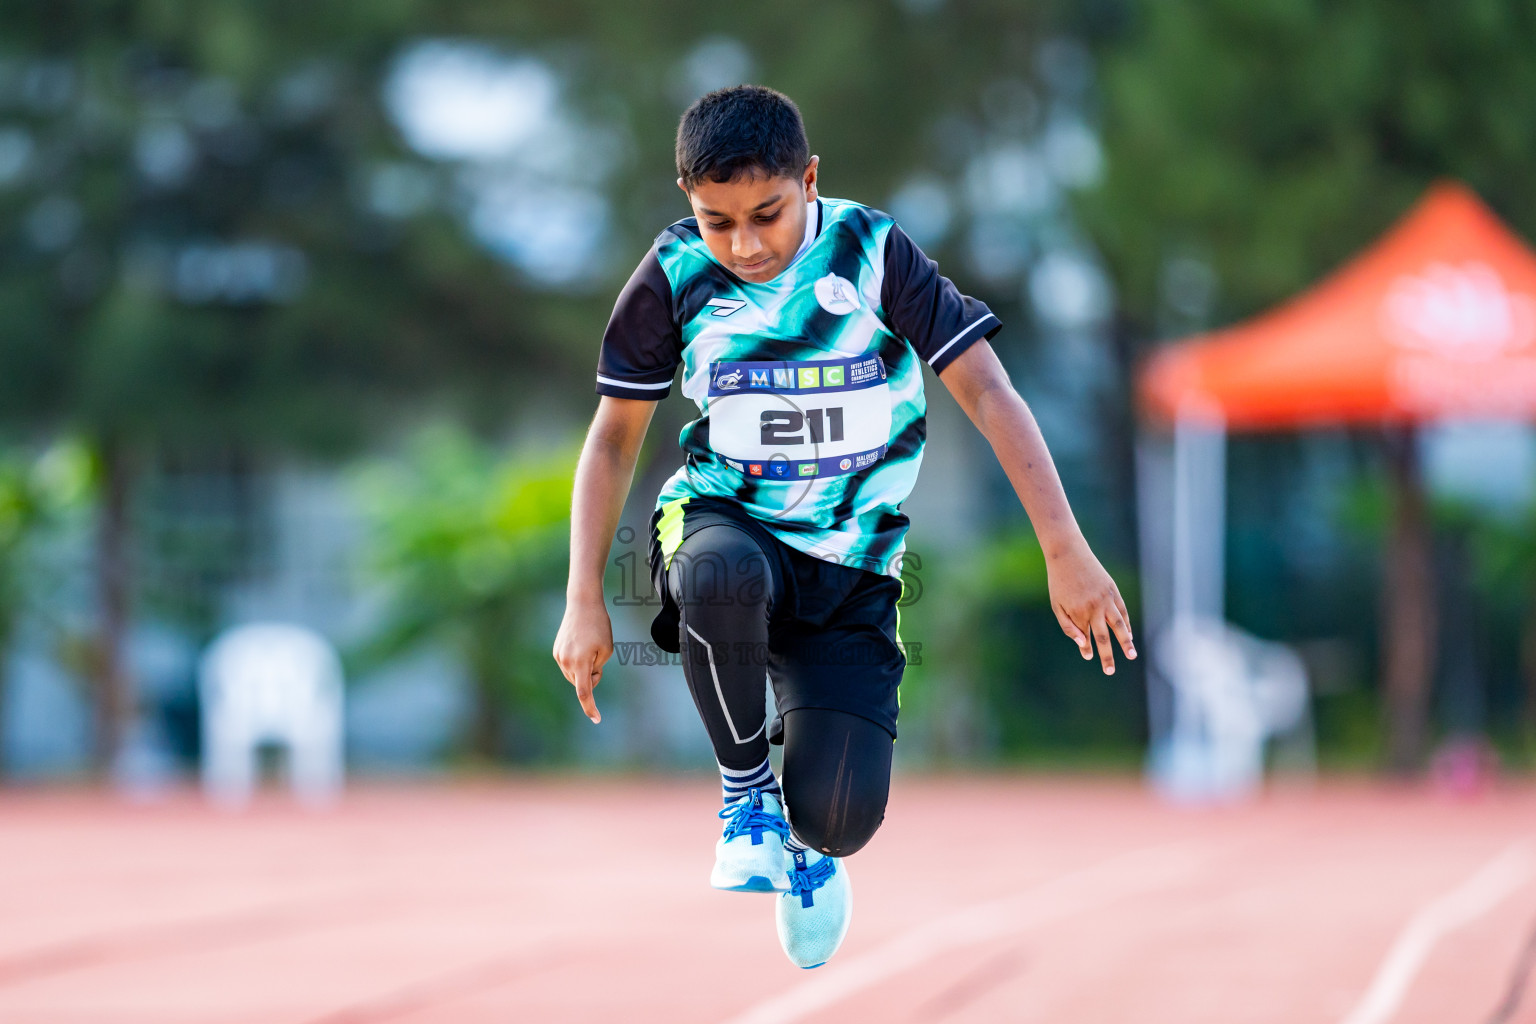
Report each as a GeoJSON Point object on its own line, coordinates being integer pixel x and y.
{"type": "Point", "coordinates": [809, 389]}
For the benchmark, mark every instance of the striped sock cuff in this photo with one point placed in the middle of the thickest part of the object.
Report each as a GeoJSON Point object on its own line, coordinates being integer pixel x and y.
{"type": "Point", "coordinates": [794, 845]}
{"type": "Point", "coordinates": [734, 783]}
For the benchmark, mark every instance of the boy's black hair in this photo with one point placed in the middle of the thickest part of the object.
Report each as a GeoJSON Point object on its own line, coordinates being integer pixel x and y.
{"type": "Point", "coordinates": [741, 130]}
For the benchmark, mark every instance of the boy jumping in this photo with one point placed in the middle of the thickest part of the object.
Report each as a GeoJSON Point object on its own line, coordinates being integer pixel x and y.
{"type": "Point", "coordinates": [798, 321]}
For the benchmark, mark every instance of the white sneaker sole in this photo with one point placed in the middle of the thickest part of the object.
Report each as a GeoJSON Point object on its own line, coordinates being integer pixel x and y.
{"type": "Point", "coordinates": [756, 883]}
{"type": "Point", "coordinates": [749, 878]}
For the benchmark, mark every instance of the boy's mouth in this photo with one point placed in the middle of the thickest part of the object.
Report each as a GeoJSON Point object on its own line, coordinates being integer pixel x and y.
{"type": "Point", "coordinates": [755, 268]}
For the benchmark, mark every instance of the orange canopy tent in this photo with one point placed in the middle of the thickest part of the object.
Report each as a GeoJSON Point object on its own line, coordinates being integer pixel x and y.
{"type": "Point", "coordinates": [1437, 319]}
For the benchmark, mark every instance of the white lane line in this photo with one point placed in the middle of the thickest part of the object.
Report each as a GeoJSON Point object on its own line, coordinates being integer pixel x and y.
{"type": "Point", "coordinates": [1470, 900]}
{"type": "Point", "coordinates": [1048, 902]}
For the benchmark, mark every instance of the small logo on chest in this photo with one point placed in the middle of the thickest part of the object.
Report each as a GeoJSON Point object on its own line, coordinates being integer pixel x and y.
{"type": "Point", "coordinates": [725, 307]}
{"type": "Point", "coordinates": [837, 295]}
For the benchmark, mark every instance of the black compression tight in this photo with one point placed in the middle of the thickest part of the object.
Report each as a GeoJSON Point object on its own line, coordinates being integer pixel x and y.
{"type": "Point", "coordinates": [837, 765]}
{"type": "Point", "coordinates": [837, 776]}
{"type": "Point", "coordinates": [723, 588]}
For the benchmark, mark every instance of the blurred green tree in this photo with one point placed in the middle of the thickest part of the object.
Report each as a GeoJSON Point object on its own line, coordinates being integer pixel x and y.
{"type": "Point", "coordinates": [990, 676]}
{"type": "Point", "coordinates": [1272, 139]}
{"type": "Point", "coordinates": [1252, 145]}
{"type": "Point", "coordinates": [197, 255]}
{"type": "Point", "coordinates": [1504, 550]}
{"type": "Point", "coordinates": [38, 492]}
{"type": "Point", "coordinates": [470, 544]}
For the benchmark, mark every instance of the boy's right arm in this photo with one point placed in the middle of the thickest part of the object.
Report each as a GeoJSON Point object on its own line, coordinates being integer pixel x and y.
{"type": "Point", "coordinates": [603, 476]}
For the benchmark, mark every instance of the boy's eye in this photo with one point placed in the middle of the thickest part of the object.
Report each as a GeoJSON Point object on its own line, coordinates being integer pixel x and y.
{"type": "Point", "coordinates": [770, 218]}
{"type": "Point", "coordinates": [720, 227]}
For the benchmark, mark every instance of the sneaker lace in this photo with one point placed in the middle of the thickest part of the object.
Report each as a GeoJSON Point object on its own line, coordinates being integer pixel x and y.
{"type": "Point", "coordinates": [749, 817]}
{"type": "Point", "coordinates": [807, 878]}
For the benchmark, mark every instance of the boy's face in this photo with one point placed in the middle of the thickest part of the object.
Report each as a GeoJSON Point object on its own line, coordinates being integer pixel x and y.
{"type": "Point", "coordinates": [754, 224]}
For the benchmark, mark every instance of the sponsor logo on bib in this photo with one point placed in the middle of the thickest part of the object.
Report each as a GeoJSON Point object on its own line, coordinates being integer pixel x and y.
{"type": "Point", "coordinates": [837, 295]}
{"type": "Point", "coordinates": [728, 381]}
{"type": "Point", "coordinates": [759, 379]}
{"type": "Point", "coordinates": [845, 464]}
{"type": "Point", "coordinates": [783, 378]}
{"type": "Point", "coordinates": [866, 370]}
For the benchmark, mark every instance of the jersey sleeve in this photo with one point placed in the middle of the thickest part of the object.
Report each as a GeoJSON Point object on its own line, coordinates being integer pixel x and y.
{"type": "Point", "coordinates": [642, 345]}
{"type": "Point", "coordinates": [924, 307]}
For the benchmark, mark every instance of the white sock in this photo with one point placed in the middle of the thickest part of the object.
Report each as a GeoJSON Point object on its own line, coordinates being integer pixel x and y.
{"type": "Point", "coordinates": [734, 783]}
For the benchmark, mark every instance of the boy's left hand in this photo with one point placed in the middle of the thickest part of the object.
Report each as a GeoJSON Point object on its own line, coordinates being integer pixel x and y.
{"type": "Point", "coordinates": [1087, 603]}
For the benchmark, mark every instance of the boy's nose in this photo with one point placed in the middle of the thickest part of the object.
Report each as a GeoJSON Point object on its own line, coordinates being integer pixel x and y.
{"type": "Point", "coordinates": [745, 244]}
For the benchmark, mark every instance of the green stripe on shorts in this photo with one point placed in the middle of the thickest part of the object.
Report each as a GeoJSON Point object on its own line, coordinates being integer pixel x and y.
{"type": "Point", "coordinates": [669, 529]}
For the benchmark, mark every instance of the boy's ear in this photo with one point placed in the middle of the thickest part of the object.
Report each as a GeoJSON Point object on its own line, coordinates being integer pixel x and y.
{"type": "Point", "coordinates": [810, 179]}
{"type": "Point", "coordinates": [681, 185]}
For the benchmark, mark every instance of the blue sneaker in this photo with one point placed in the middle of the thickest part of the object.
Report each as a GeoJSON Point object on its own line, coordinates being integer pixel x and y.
{"type": "Point", "coordinates": [749, 856]}
{"type": "Point", "coordinates": [813, 916]}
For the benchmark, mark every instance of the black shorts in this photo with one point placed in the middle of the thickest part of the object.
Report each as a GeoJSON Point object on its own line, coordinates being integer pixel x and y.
{"type": "Point", "coordinates": [832, 631]}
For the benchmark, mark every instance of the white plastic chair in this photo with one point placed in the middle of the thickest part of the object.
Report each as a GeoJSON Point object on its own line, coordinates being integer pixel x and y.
{"type": "Point", "coordinates": [1232, 693]}
{"type": "Point", "coordinates": [271, 683]}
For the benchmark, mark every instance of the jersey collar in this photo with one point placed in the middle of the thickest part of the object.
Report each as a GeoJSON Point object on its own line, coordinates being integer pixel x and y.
{"type": "Point", "coordinates": [812, 229]}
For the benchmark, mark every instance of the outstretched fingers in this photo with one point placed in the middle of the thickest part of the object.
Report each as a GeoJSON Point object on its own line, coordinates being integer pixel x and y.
{"type": "Point", "coordinates": [1094, 626]}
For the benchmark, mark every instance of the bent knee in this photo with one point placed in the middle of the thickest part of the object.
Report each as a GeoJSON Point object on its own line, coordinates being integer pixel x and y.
{"type": "Point", "coordinates": [836, 827]}
{"type": "Point", "coordinates": [719, 566]}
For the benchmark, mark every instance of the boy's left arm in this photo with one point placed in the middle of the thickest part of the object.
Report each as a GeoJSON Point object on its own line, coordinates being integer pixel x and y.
{"type": "Point", "coordinates": [1083, 596]}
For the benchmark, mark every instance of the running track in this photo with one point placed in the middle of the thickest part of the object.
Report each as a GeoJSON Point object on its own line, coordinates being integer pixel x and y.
{"type": "Point", "coordinates": [980, 900]}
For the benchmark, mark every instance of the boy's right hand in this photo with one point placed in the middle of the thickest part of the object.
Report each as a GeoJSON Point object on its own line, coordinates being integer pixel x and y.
{"type": "Point", "coordinates": [583, 644]}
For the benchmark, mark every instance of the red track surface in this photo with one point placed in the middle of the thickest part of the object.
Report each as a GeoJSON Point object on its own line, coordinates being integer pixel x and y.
{"type": "Point", "coordinates": [980, 900]}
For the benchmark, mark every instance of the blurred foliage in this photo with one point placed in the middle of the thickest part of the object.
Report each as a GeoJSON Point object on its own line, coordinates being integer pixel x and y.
{"type": "Point", "coordinates": [998, 678]}
{"type": "Point", "coordinates": [39, 492]}
{"type": "Point", "coordinates": [1486, 596]}
{"type": "Point", "coordinates": [194, 260]}
{"type": "Point", "coordinates": [1268, 140]}
{"type": "Point", "coordinates": [1348, 730]}
{"type": "Point", "coordinates": [470, 543]}
{"type": "Point", "coordinates": [41, 495]}
{"type": "Point", "coordinates": [1503, 551]}
{"type": "Point", "coordinates": [188, 255]}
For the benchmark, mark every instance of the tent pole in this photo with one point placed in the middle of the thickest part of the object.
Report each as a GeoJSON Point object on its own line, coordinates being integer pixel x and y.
{"type": "Point", "coordinates": [1184, 587]}
{"type": "Point", "coordinates": [1408, 607]}
{"type": "Point", "coordinates": [1154, 521]}
{"type": "Point", "coordinates": [1199, 514]}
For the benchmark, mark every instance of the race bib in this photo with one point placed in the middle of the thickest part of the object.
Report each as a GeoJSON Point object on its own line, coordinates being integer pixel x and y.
{"type": "Point", "coordinates": [794, 419]}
